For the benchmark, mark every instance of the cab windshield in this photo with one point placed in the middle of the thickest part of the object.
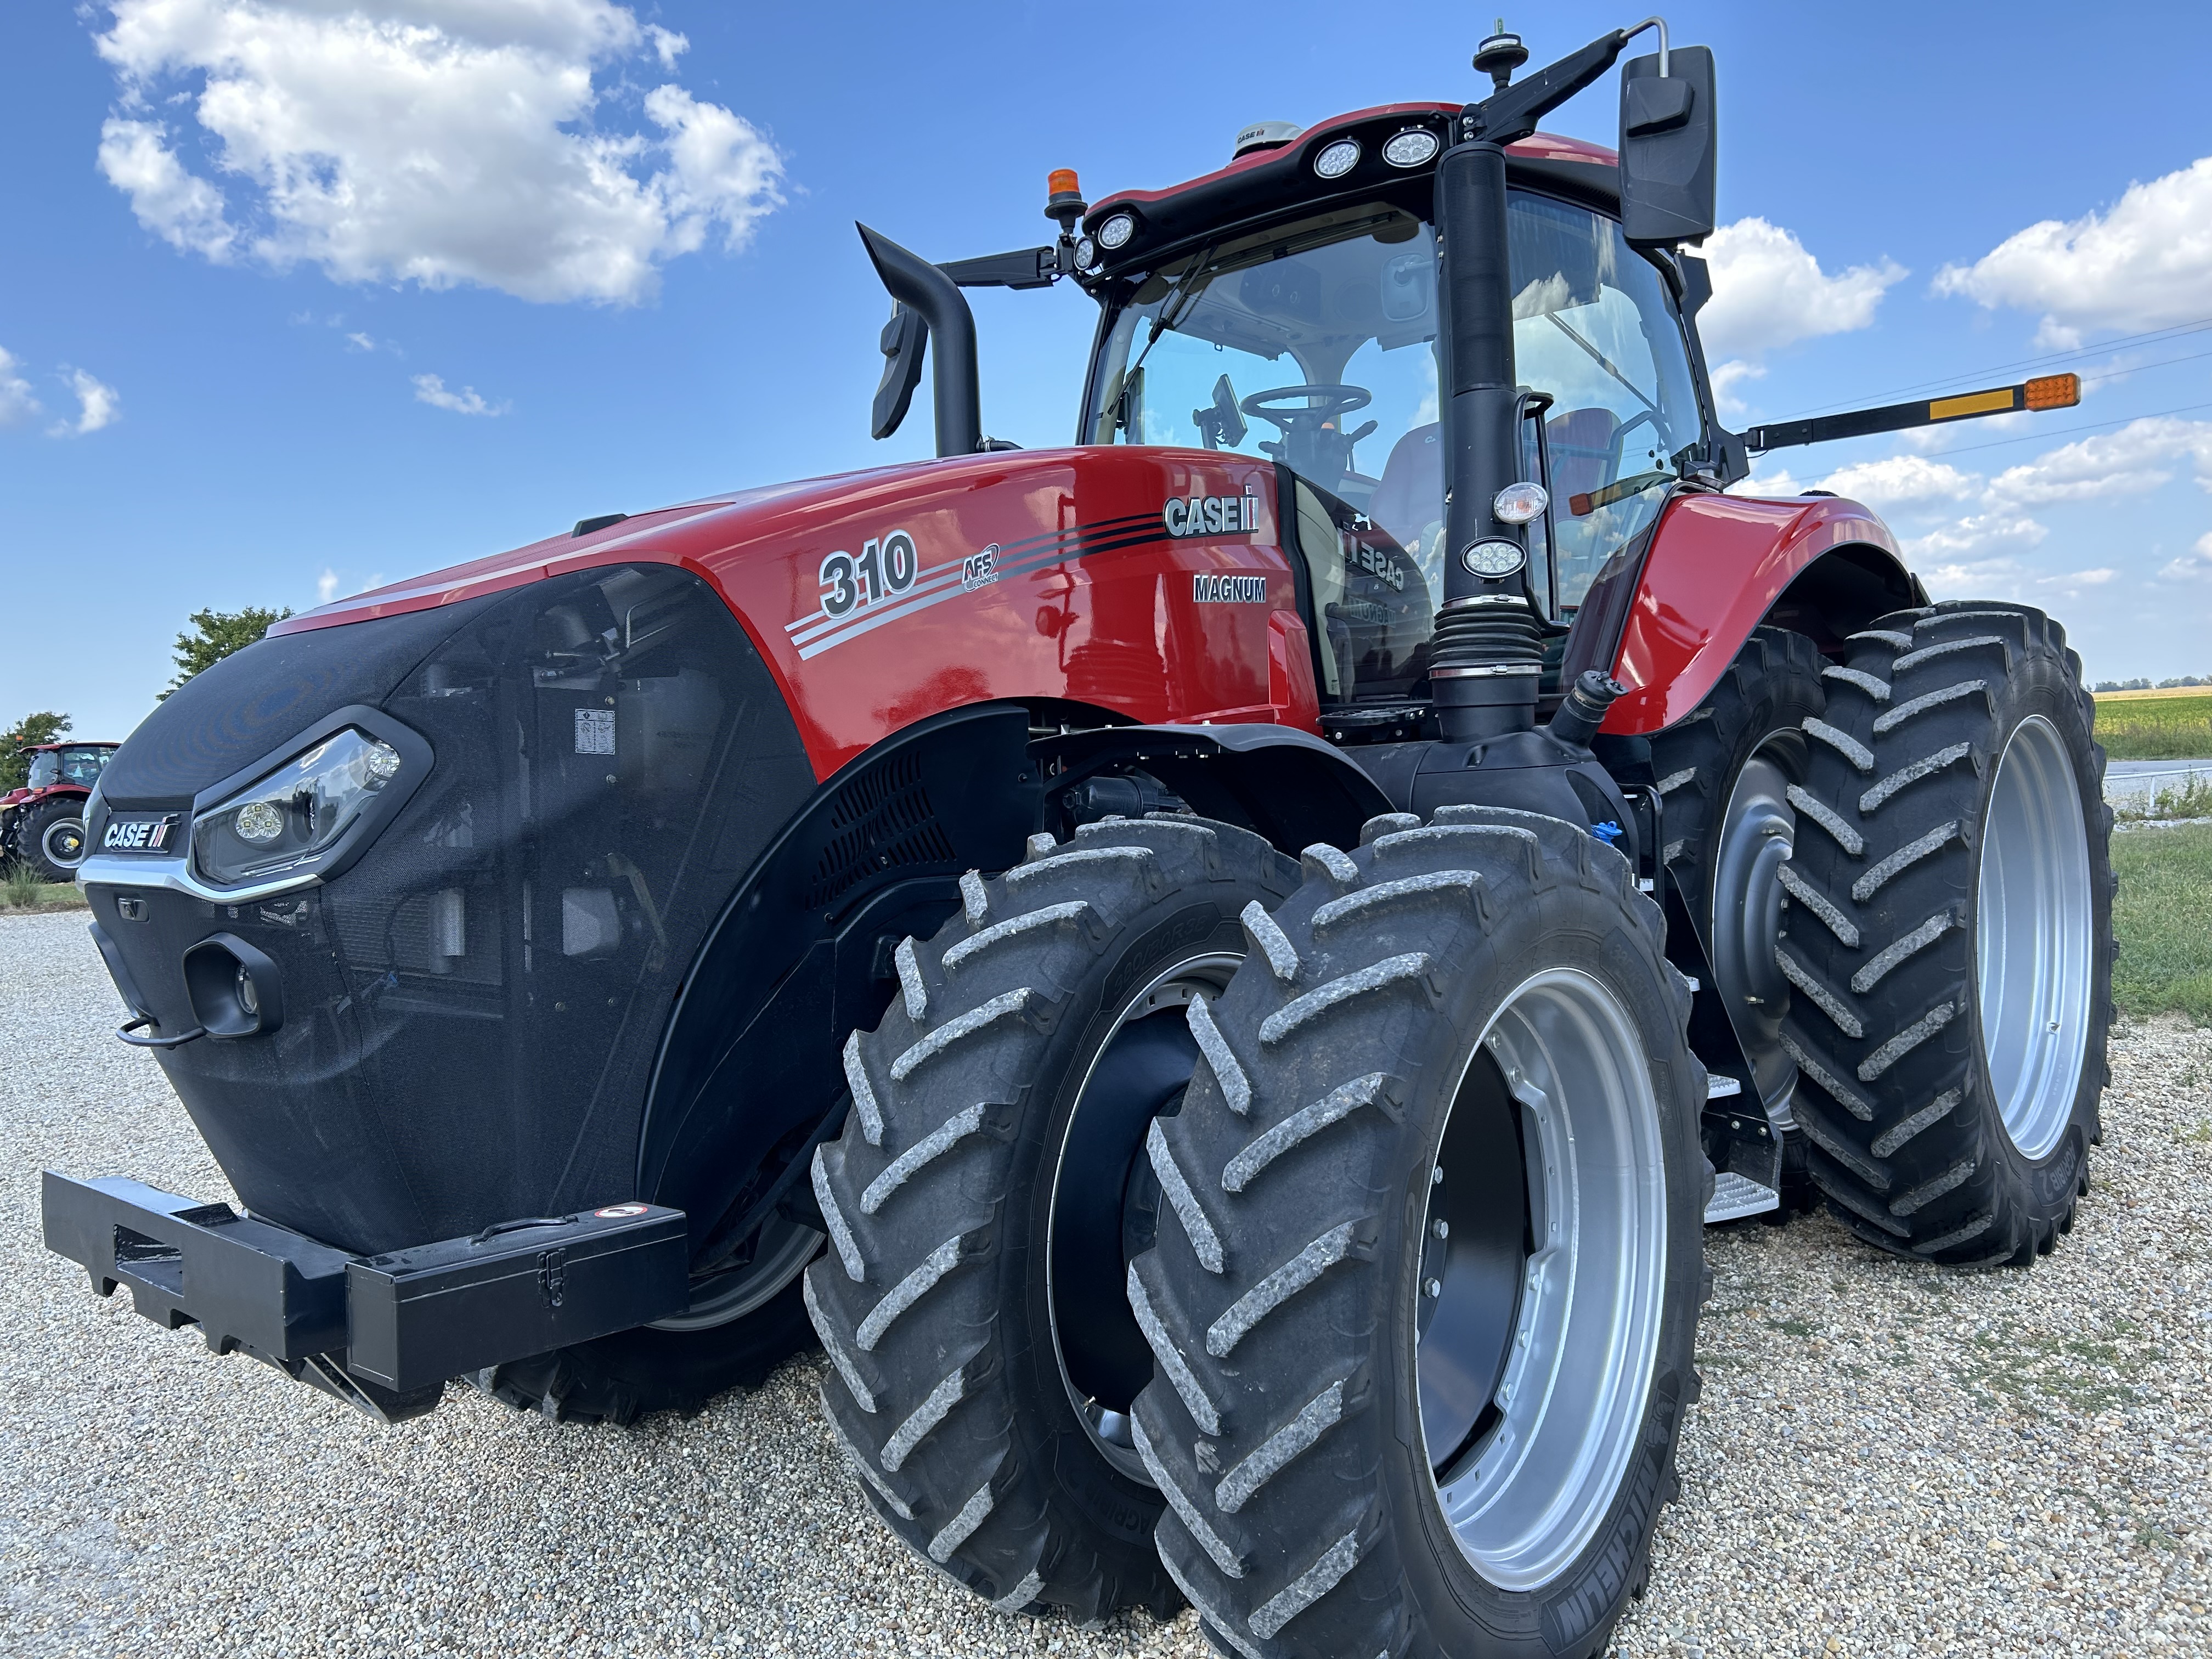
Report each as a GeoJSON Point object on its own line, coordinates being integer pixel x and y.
{"type": "Point", "coordinates": [1315, 343]}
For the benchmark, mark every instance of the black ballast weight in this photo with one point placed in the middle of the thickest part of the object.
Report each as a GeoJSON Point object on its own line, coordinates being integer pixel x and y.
{"type": "Point", "coordinates": [400, 1323]}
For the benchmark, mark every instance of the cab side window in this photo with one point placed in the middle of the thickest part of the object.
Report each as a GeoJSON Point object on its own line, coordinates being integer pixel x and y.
{"type": "Point", "coordinates": [1595, 326]}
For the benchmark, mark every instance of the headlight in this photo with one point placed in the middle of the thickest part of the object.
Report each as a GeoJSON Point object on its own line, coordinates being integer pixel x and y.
{"type": "Point", "coordinates": [1116, 231]}
{"type": "Point", "coordinates": [298, 811]}
{"type": "Point", "coordinates": [1338, 159]}
{"type": "Point", "coordinates": [1410, 147]}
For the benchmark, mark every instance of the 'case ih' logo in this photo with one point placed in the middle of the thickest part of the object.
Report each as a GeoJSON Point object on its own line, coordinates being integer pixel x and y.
{"type": "Point", "coordinates": [1212, 515]}
{"type": "Point", "coordinates": [138, 835]}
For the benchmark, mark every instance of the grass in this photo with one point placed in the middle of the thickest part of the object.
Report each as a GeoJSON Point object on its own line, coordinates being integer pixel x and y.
{"type": "Point", "coordinates": [2155, 727]}
{"type": "Point", "coordinates": [2193, 799]}
{"type": "Point", "coordinates": [21, 890]}
{"type": "Point", "coordinates": [2163, 917]}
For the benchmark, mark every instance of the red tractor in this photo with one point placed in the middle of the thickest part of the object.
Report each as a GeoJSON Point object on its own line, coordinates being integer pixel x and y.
{"type": "Point", "coordinates": [1222, 967]}
{"type": "Point", "coordinates": [42, 824]}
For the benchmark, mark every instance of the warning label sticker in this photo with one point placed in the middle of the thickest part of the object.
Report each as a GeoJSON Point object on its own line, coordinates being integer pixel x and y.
{"type": "Point", "coordinates": [595, 731]}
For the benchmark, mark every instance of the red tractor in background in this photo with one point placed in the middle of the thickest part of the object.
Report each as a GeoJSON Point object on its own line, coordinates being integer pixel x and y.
{"type": "Point", "coordinates": [42, 824]}
{"type": "Point", "coordinates": [1222, 968]}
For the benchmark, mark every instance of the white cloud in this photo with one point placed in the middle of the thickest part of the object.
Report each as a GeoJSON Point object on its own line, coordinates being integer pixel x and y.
{"type": "Point", "coordinates": [97, 404]}
{"type": "Point", "coordinates": [2196, 565]}
{"type": "Point", "coordinates": [1727, 377]}
{"type": "Point", "coordinates": [360, 341]}
{"type": "Point", "coordinates": [1769, 292]}
{"type": "Point", "coordinates": [17, 405]}
{"type": "Point", "coordinates": [2112, 465]}
{"type": "Point", "coordinates": [431, 389]}
{"type": "Point", "coordinates": [1908, 481]}
{"type": "Point", "coordinates": [436, 141]}
{"type": "Point", "coordinates": [327, 585]}
{"type": "Point", "coordinates": [176, 205]}
{"type": "Point", "coordinates": [1902, 481]}
{"type": "Point", "coordinates": [2145, 263]}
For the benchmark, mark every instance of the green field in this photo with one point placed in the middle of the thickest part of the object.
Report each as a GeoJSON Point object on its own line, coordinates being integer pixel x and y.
{"type": "Point", "coordinates": [2156, 728]}
{"type": "Point", "coordinates": [2163, 916]}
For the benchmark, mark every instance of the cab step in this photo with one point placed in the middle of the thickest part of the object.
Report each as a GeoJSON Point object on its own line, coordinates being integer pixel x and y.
{"type": "Point", "coordinates": [1736, 1196]}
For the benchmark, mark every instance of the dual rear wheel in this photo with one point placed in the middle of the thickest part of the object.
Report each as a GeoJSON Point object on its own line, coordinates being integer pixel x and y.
{"type": "Point", "coordinates": [1184, 1188]}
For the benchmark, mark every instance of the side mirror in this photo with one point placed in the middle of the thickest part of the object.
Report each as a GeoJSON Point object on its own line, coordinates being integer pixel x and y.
{"type": "Point", "coordinates": [905, 338]}
{"type": "Point", "coordinates": [1669, 144]}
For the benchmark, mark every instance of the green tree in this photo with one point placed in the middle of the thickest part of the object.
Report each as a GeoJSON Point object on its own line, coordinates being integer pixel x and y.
{"type": "Point", "coordinates": [42, 727]}
{"type": "Point", "coordinates": [217, 633]}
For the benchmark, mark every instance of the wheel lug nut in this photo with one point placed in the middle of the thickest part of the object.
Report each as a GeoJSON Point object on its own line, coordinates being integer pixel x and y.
{"type": "Point", "coordinates": [1440, 1227]}
{"type": "Point", "coordinates": [1434, 1287]}
{"type": "Point", "coordinates": [1437, 1176]}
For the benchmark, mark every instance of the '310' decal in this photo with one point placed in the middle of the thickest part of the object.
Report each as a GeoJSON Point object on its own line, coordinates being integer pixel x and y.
{"type": "Point", "coordinates": [885, 567]}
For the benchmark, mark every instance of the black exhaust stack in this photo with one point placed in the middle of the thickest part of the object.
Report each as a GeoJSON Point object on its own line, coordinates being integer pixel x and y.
{"type": "Point", "coordinates": [930, 304]}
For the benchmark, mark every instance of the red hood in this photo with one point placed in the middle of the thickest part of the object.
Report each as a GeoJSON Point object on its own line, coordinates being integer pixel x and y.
{"type": "Point", "coordinates": [667, 535]}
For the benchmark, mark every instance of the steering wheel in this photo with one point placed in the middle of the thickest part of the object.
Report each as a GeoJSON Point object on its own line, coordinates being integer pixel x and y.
{"type": "Point", "coordinates": [1313, 444]}
{"type": "Point", "coordinates": [1319, 405]}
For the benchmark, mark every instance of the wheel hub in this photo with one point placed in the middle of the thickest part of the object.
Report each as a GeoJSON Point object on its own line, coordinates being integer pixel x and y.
{"type": "Point", "coordinates": [1758, 836]}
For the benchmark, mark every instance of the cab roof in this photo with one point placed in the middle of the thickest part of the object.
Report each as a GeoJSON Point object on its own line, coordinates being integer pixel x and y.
{"type": "Point", "coordinates": [1264, 183]}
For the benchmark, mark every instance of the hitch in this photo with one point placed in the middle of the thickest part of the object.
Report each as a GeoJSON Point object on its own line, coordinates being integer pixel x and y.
{"type": "Point", "coordinates": [382, 1332]}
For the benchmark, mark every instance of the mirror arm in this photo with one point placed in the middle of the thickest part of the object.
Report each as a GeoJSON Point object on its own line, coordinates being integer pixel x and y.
{"type": "Point", "coordinates": [1511, 115]}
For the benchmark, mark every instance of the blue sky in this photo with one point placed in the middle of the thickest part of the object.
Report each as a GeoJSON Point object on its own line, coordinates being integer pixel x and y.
{"type": "Point", "coordinates": [250, 358]}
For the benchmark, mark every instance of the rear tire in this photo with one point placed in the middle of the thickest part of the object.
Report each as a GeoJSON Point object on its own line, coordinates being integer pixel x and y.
{"type": "Point", "coordinates": [1955, 977]}
{"type": "Point", "coordinates": [972, 1302]}
{"type": "Point", "coordinates": [51, 839]}
{"type": "Point", "coordinates": [1384, 1425]}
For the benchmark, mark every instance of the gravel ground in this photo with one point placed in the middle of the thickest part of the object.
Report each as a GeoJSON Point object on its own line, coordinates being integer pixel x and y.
{"type": "Point", "coordinates": [1889, 1459]}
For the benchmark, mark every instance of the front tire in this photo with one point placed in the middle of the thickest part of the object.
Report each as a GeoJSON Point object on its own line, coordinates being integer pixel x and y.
{"type": "Point", "coordinates": [1425, 1316]}
{"type": "Point", "coordinates": [741, 1327]}
{"type": "Point", "coordinates": [1952, 955]}
{"type": "Point", "coordinates": [52, 839]}
{"type": "Point", "coordinates": [989, 1189]}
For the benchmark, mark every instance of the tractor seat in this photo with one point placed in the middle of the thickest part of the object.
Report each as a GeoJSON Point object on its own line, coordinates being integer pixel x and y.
{"type": "Point", "coordinates": [1412, 494]}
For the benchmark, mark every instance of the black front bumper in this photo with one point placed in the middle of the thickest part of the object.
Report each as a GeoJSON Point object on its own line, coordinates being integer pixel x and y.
{"type": "Point", "coordinates": [383, 1332]}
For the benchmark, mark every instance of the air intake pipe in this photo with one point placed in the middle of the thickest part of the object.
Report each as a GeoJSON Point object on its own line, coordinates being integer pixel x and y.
{"type": "Point", "coordinates": [936, 300]}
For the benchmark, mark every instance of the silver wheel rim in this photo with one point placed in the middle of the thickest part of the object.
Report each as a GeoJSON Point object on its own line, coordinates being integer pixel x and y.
{"type": "Point", "coordinates": [785, 1248]}
{"type": "Point", "coordinates": [57, 856]}
{"type": "Point", "coordinates": [2034, 952]}
{"type": "Point", "coordinates": [1207, 975]}
{"type": "Point", "coordinates": [1525, 1501]}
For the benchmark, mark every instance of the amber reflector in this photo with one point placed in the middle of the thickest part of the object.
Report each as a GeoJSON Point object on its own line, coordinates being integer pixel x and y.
{"type": "Point", "coordinates": [1061, 182]}
{"type": "Point", "coordinates": [2054, 391]}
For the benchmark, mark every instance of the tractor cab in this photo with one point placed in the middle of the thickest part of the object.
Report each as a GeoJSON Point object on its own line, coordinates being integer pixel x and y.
{"type": "Point", "coordinates": [1315, 340]}
{"type": "Point", "coordinates": [74, 764]}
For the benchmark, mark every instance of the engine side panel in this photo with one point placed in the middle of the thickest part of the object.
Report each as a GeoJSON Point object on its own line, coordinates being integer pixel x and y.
{"type": "Point", "coordinates": [1716, 567]}
{"type": "Point", "coordinates": [1066, 575]}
